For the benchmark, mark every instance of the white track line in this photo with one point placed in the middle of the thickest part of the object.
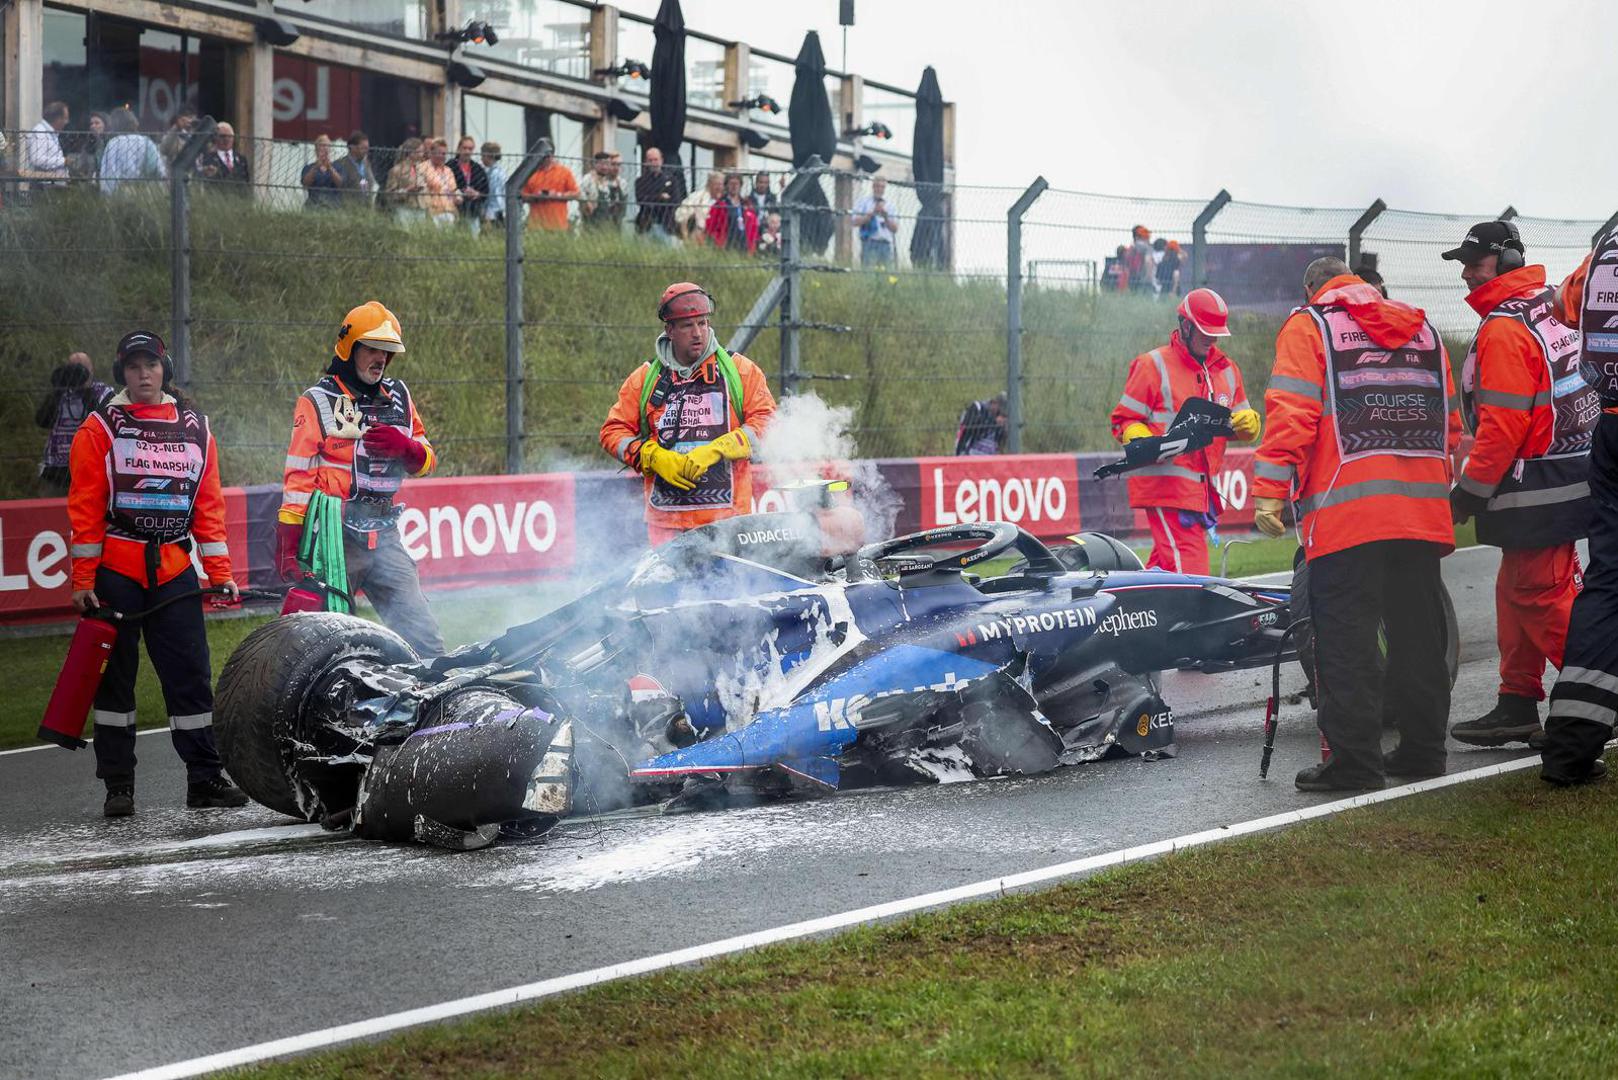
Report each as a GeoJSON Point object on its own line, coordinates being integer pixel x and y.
{"type": "Point", "coordinates": [313, 1040]}
{"type": "Point", "coordinates": [53, 746]}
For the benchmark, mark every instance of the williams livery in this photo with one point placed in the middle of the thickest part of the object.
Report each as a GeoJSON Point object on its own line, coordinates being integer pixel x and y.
{"type": "Point", "coordinates": [737, 661]}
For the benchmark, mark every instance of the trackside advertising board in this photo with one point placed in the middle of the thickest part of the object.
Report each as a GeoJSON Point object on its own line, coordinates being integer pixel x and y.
{"type": "Point", "coordinates": [491, 530]}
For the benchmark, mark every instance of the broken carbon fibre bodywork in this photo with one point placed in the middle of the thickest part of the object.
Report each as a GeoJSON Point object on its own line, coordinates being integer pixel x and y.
{"type": "Point", "coordinates": [736, 660]}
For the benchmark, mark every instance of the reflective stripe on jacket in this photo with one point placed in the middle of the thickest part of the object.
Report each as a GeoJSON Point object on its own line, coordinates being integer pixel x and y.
{"type": "Point", "coordinates": [321, 453]}
{"type": "Point", "coordinates": [1158, 383]}
{"type": "Point", "coordinates": [1381, 496]}
{"type": "Point", "coordinates": [88, 499]}
{"type": "Point", "coordinates": [1532, 415]}
{"type": "Point", "coordinates": [621, 433]}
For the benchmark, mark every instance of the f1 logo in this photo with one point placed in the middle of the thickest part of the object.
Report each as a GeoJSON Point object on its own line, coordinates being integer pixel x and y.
{"type": "Point", "coordinates": [153, 483]}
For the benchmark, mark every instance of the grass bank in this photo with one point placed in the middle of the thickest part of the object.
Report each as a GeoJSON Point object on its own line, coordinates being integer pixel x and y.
{"type": "Point", "coordinates": [905, 351]}
{"type": "Point", "coordinates": [1468, 932]}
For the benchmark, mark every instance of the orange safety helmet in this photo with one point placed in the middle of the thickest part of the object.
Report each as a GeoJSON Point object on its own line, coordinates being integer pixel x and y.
{"type": "Point", "coordinates": [1141, 232]}
{"type": "Point", "coordinates": [371, 324]}
{"type": "Point", "coordinates": [684, 300]}
{"type": "Point", "coordinates": [1207, 311]}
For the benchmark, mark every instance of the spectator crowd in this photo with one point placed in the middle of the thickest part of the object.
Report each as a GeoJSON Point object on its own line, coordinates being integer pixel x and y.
{"type": "Point", "coordinates": [420, 181]}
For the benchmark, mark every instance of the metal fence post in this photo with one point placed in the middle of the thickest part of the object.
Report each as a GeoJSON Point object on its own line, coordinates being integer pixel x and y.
{"type": "Point", "coordinates": [1612, 223]}
{"type": "Point", "coordinates": [1014, 311]}
{"type": "Point", "coordinates": [1357, 230]}
{"type": "Point", "coordinates": [1199, 236]}
{"type": "Point", "coordinates": [179, 342]}
{"type": "Point", "coordinates": [516, 228]}
{"type": "Point", "coordinates": [791, 304]}
{"type": "Point", "coordinates": [1507, 214]}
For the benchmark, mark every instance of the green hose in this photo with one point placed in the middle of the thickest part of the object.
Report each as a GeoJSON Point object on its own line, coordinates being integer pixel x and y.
{"type": "Point", "coordinates": [321, 549]}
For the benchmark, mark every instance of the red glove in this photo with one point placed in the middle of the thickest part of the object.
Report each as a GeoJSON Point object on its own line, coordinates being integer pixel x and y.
{"type": "Point", "coordinates": [384, 441]}
{"type": "Point", "coordinates": [288, 536]}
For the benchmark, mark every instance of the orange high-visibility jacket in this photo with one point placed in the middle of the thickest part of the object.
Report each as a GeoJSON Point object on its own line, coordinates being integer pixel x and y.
{"type": "Point", "coordinates": [90, 494]}
{"type": "Point", "coordinates": [1514, 417]}
{"type": "Point", "coordinates": [621, 435]}
{"type": "Point", "coordinates": [320, 461]}
{"type": "Point", "coordinates": [1379, 497]}
{"type": "Point", "coordinates": [1159, 382]}
{"type": "Point", "coordinates": [1570, 297]}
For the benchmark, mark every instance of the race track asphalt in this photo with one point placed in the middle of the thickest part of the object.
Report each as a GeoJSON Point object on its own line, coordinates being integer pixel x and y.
{"type": "Point", "coordinates": [176, 933]}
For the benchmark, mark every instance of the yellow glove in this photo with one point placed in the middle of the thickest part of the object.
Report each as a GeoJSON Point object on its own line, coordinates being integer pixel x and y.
{"type": "Point", "coordinates": [1134, 431]}
{"type": "Point", "coordinates": [1245, 423]}
{"type": "Point", "coordinates": [668, 465]}
{"type": "Point", "coordinates": [731, 446]}
{"type": "Point", "coordinates": [1267, 515]}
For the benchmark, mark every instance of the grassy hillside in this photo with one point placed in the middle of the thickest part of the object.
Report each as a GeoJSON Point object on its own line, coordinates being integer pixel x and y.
{"type": "Point", "coordinates": [269, 289]}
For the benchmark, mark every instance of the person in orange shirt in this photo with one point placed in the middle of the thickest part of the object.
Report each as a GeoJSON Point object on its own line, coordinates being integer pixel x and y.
{"type": "Point", "coordinates": [145, 481]}
{"type": "Point", "coordinates": [443, 198]}
{"type": "Point", "coordinates": [356, 435]}
{"type": "Point", "coordinates": [1526, 477]}
{"type": "Point", "coordinates": [689, 419]}
{"type": "Point", "coordinates": [549, 190]}
{"type": "Point", "coordinates": [1362, 422]}
{"type": "Point", "coordinates": [1178, 497]}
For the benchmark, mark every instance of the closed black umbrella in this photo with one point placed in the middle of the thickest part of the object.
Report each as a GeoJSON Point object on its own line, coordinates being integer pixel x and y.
{"type": "Point", "coordinates": [668, 81]}
{"type": "Point", "coordinates": [814, 134]}
{"type": "Point", "coordinates": [929, 242]}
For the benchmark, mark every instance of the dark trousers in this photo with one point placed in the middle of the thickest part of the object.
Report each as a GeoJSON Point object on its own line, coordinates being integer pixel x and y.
{"type": "Point", "coordinates": [177, 642]}
{"type": "Point", "coordinates": [387, 576]}
{"type": "Point", "coordinates": [1584, 702]}
{"type": "Point", "coordinates": [1394, 584]}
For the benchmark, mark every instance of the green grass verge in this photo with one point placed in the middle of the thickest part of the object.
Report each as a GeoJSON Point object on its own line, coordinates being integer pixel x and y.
{"type": "Point", "coordinates": [1468, 932]}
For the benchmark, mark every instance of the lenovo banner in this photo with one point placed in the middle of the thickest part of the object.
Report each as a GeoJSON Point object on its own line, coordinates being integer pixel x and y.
{"type": "Point", "coordinates": [35, 571]}
{"type": "Point", "coordinates": [488, 530]}
{"type": "Point", "coordinates": [1036, 491]}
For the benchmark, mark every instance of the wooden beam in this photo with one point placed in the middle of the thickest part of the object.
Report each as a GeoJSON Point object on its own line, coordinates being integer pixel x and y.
{"type": "Point", "coordinates": [240, 29]}
{"type": "Point", "coordinates": [24, 29]}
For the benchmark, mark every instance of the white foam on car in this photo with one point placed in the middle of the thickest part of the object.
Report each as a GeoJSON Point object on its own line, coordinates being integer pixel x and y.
{"type": "Point", "coordinates": [314, 1040]}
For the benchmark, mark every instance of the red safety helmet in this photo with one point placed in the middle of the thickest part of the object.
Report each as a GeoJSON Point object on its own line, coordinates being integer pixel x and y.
{"type": "Point", "coordinates": [684, 300]}
{"type": "Point", "coordinates": [1207, 311]}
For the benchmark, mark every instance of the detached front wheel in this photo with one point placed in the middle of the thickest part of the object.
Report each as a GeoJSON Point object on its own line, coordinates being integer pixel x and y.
{"type": "Point", "coordinates": [268, 739]}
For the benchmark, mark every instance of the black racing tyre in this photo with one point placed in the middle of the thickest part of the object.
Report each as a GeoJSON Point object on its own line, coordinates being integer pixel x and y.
{"type": "Point", "coordinates": [259, 705]}
{"type": "Point", "coordinates": [1305, 635]}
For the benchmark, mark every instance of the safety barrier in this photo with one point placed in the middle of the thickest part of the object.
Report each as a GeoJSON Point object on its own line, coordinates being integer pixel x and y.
{"type": "Point", "coordinates": [505, 530]}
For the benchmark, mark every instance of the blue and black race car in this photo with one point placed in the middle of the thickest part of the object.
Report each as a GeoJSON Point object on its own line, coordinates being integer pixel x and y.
{"type": "Point", "coordinates": [737, 661]}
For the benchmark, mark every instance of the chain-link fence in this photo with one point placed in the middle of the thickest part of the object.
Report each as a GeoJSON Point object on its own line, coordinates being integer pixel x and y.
{"type": "Point", "coordinates": [871, 291]}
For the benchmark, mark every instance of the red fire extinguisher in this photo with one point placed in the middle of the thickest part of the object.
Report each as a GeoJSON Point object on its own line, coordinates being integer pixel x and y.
{"type": "Point", "coordinates": [310, 595]}
{"type": "Point", "coordinates": [87, 656]}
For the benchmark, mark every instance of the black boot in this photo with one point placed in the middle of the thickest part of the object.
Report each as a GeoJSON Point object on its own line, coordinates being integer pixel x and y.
{"type": "Point", "coordinates": [1328, 777]}
{"type": "Point", "coordinates": [1513, 719]}
{"type": "Point", "coordinates": [120, 799]}
{"type": "Point", "coordinates": [1598, 769]}
{"type": "Point", "coordinates": [1395, 763]}
{"type": "Point", "coordinates": [216, 791]}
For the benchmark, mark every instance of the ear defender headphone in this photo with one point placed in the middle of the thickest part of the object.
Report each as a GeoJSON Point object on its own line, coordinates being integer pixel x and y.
{"type": "Point", "coordinates": [142, 341]}
{"type": "Point", "coordinates": [1511, 258]}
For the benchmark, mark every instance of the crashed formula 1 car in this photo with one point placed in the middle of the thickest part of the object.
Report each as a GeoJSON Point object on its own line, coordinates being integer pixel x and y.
{"type": "Point", "coordinates": [737, 660]}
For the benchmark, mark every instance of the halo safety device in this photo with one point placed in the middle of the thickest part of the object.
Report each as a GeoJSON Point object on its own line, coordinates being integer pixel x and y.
{"type": "Point", "coordinates": [1207, 311]}
{"type": "Point", "coordinates": [369, 324]}
{"type": "Point", "coordinates": [136, 343]}
{"type": "Point", "coordinates": [684, 300]}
